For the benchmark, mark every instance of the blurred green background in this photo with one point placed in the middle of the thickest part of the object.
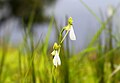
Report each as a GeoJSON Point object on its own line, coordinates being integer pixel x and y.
{"type": "Point", "coordinates": [29, 28]}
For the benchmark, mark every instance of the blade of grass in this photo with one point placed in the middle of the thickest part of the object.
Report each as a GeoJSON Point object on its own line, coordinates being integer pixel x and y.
{"type": "Point", "coordinates": [48, 35]}
{"type": "Point", "coordinates": [114, 72]}
{"type": "Point", "coordinates": [91, 11]}
{"type": "Point", "coordinates": [103, 26]}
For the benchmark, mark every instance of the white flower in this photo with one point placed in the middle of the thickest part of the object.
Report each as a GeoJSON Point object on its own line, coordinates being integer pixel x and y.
{"type": "Point", "coordinates": [72, 33]}
{"type": "Point", "coordinates": [69, 28]}
{"type": "Point", "coordinates": [56, 59]}
{"type": "Point", "coordinates": [55, 54]}
{"type": "Point", "coordinates": [110, 10]}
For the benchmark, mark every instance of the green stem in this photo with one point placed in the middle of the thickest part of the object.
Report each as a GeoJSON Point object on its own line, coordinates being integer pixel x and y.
{"type": "Point", "coordinates": [53, 75]}
{"type": "Point", "coordinates": [64, 37]}
{"type": "Point", "coordinates": [60, 35]}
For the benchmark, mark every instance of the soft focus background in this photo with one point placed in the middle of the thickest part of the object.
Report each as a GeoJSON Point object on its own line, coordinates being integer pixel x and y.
{"type": "Point", "coordinates": [29, 28]}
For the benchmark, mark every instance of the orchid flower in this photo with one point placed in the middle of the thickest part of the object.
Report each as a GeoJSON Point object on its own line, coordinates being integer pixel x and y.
{"type": "Point", "coordinates": [55, 53]}
{"type": "Point", "coordinates": [69, 28]}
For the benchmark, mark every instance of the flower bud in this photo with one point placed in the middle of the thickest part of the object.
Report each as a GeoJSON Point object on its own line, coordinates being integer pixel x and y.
{"type": "Point", "coordinates": [70, 21]}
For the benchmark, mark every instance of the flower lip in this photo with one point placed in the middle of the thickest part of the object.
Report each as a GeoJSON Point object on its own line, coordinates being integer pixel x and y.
{"type": "Point", "coordinates": [56, 59]}
{"type": "Point", "coordinates": [72, 34]}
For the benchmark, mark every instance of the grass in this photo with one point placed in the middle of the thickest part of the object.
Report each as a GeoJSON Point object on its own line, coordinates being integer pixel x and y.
{"type": "Point", "coordinates": [32, 63]}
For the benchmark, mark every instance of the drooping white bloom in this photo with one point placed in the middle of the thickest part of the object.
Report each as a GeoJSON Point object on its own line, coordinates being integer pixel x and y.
{"type": "Point", "coordinates": [110, 10]}
{"type": "Point", "coordinates": [69, 28]}
{"type": "Point", "coordinates": [56, 59]}
{"type": "Point", "coordinates": [55, 54]}
{"type": "Point", "coordinates": [72, 33]}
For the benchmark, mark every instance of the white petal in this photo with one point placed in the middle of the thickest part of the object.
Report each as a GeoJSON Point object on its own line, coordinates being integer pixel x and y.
{"type": "Point", "coordinates": [56, 60]}
{"type": "Point", "coordinates": [72, 34]}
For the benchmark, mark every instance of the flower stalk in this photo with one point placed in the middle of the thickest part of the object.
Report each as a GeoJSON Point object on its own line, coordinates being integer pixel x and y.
{"type": "Point", "coordinates": [56, 47]}
{"type": "Point", "coordinates": [64, 37]}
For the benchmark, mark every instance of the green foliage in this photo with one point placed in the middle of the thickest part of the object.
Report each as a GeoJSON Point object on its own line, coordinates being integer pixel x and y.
{"type": "Point", "coordinates": [30, 63]}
